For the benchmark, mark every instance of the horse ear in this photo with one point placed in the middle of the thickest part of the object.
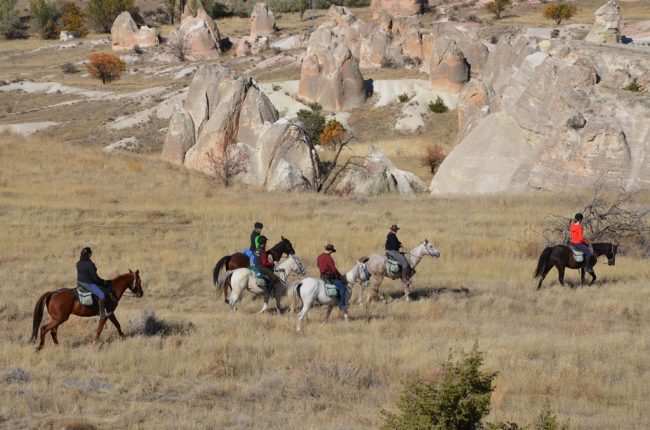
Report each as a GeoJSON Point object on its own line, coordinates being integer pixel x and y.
{"type": "Point", "coordinates": [130, 271]}
{"type": "Point", "coordinates": [137, 272]}
{"type": "Point", "coordinates": [283, 238]}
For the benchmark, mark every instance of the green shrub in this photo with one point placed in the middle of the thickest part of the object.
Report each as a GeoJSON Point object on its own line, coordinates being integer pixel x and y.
{"type": "Point", "coordinates": [45, 18]}
{"type": "Point", "coordinates": [634, 86]}
{"type": "Point", "coordinates": [457, 398]}
{"type": "Point", "coordinates": [102, 13]}
{"type": "Point", "coordinates": [313, 122]}
{"type": "Point", "coordinates": [546, 420]}
{"type": "Point", "coordinates": [403, 98]}
{"type": "Point", "coordinates": [10, 25]}
{"type": "Point", "coordinates": [438, 106]}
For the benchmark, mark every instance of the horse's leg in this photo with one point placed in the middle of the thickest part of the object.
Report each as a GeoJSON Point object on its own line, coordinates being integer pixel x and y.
{"type": "Point", "coordinates": [116, 323]}
{"type": "Point", "coordinates": [560, 271]}
{"type": "Point", "coordinates": [363, 288]}
{"type": "Point", "coordinates": [407, 291]}
{"type": "Point", "coordinates": [541, 279]}
{"type": "Point", "coordinates": [377, 292]}
{"type": "Point", "coordinates": [46, 328]}
{"type": "Point", "coordinates": [593, 276]}
{"type": "Point", "coordinates": [267, 297]}
{"type": "Point", "coordinates": [98, 332]}
{"type": "Point", "coordinates": [53, 334]}
{"type": "Point", "coordinates": [306, 304]}
{"type": "Point", "coordinates": [278, 298]}
{"type": "Point", "coordinates": [329, 312]}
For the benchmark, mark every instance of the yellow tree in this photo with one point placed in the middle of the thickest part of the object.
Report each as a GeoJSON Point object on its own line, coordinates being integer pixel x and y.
{"type": "Point", "coordinates": [106, 67]}
{"type": "Point", "coordinates": [559, 12]}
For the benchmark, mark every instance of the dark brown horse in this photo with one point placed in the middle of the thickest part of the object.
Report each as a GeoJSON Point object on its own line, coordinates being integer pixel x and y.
{"type": "Point", "coordinates": [561, 257]}
{"type": "Point", "coordinates": [239, 259]}
{"type": "Point", "coordinates": [64, 302]}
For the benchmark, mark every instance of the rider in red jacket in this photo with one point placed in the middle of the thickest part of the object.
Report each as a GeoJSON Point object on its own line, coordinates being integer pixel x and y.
{"type": "Point", "coordinates": [579, 242]}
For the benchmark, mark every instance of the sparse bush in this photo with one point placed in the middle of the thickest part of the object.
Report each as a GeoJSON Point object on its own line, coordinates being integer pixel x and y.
{"type": "Point", "coordinates": [72, 19]}
{"type": "Point", "coordinates": [559, 12]}
{"type": "Point", "coordinates": [178, 45]}
{"type": "Point", "coordinates": [546, 420]}
{"type": "Point", "coordinates": [102, 13]}
{"type": "Point", "coordinates": [634, 86]}
{"type": "Point", "coordinates": [313, 123]}
{"type": "Point", "coordinates": [456, 397]}
{"type": "Point", "coordinates": [69, 68]}
{"type": "Point", "coordinates": [10, 25]}
{"type": "Point", "coordinates": [473, 18]}
{"type": "Point", "coordinates": [438, 106]}
{"type": "Point", "coordinates": [227, 164]}
{"type": "Point", "coordinates": [494, 40]}
{"type": "Point", "coordinates": [497, 7]}
{"type": "Point", "coordinates": [433, 157]}
{"type": "Point", "coordinates": [315, 106]}
{"type": "Point", "coordinates": [106, 67]}
{"type": "Point", "coordinates": [403, 98]}
{"type": "Point", "coordinates": [45, 18]}
{"type": "Point", "coordinates": [147, 324]}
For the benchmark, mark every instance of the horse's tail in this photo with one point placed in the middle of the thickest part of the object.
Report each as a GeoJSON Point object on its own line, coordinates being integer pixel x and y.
{"type": "Point", "coordinates": [224, 283]}
{"type": "Point", "coordinates": [217, 269]}
{"type": "Point", "coordinates": [293, 291]}
{"type": "Point", "coordinates": [544, 261]}
{"type": "Point", "coordinates": [38, 313]}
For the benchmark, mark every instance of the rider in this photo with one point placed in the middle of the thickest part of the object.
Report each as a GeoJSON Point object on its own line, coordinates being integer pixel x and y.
{"type": "Point", "coordinates": [255, 235]}
{"type": "Point", "coordinates": [88, 279]}
{"type": "Point", "coordinates": [264, 261]}
{"type": "Point", "coordinates": [579, 242]}
{"type": "Point", "coordinates": [393, 246]}
{"type": "Point", "coordinates": [329, 273]}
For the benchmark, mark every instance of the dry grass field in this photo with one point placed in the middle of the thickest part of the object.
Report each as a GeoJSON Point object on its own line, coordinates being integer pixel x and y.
{"type": "Point", "coordinates": [584, 350]}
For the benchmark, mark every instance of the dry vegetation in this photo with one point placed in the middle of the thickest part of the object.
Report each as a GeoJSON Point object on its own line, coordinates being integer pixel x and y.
{"type": "Point", "coordinates": [584, 349]}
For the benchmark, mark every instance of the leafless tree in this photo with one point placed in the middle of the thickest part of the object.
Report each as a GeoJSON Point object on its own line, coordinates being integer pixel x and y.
{"type": "Point", "coordinates": [612, 218]}
{"type": "Point", "coordinates": [225, 165]}
{"type": "Point", "coordinates": [179, 45]}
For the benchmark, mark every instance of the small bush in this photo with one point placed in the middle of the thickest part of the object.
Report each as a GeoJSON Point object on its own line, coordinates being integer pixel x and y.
{"type": "Point", "coordinates": [72, 19]}
{"type": "Point", "coordinates": [433, 157]}
{"type": "Point", "coordinates": [102, 13]}
{"type": "Point", "coordinates": [494, 40]}
{"type": "Point", "coordinates": [10, 25]}
{"type": "Point", "coordinates": [313, 123]}
{"type": "Point", "coordinates": [45, 18]}
{"type": "Point", "coordinates": [546, 420]}
{"type": "Point", "coordinates": [457, 397]}
{"type": "Point", "coordinates": [473, 18]}
{"type": "Point", "coordinates": [438, 106]}
{"type": "Point", "coordinates": [497, 7]}
{"type": "Point", "coordinates": [634, 86]}
{"type": "Point", "coordinates": [106, 67]}
{"type": "Point", "coordinates": [69, 68]}
{"type": "Point", "coordinates": [403, 98]}
{"type": "Point", "coordinates": [315, 106]}
{"type": "Point", "coordinates": [179, 45]}
{"type": "Point", "coordinates": [559, 12]}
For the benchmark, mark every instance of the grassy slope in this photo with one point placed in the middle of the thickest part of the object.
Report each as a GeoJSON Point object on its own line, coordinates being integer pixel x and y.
{"type": "Point", "coordinates": [584, 349]}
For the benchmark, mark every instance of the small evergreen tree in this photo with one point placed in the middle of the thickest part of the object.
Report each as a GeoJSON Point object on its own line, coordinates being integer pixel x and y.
{"type": "Point", "coordinates": [438, 106]}
{"type": "Point", "coordinates": [102, 13]}
{"type": "Point", "coordinates": [313, 122]}
{"type": "Point", "coordinates": [45, 18]}
{"type": "Point", "coordinates": [10, 25]}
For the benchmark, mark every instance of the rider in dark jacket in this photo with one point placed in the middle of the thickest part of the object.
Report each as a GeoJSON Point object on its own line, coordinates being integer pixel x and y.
{"type": "Point", "coordinates": [255, 235]}
{"type": "Point", "coordinates": [87, 277]}
{"type": "Point", "coordinates": [264, 262]}
{"type": "Point", "coordinates": [393, 246]}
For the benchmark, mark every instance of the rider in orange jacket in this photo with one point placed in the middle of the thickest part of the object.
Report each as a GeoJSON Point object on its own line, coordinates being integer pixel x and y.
{"type": "Point", "coordinates": [579, 242]}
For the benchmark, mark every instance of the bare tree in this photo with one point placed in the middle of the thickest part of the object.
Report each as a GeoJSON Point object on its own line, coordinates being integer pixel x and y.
{"type": "Point", "coordinates": [225, 165]}
{"type": "Point", "coordinates": [615, 218]}
{"type": "Point", "coordinates": [179, 45]}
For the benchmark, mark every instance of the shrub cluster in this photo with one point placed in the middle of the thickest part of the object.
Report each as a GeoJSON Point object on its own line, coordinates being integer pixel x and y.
{"type": "Point", "coordinates": [10, 25]}
{"type": "Point", "coordinates": [102, 13]}
{"type": "Point", "coordinates": [438, 106]}
{"type": "Point", "coordinates": [45, 18]}
{"type": "Point", "coordinates": [313, 122]}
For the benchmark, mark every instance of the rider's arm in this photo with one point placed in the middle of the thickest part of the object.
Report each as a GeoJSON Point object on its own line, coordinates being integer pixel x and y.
{"type": "Point", "coordinates": [265, 260]}
{"type": "Point", "coordinates": [92, 271]}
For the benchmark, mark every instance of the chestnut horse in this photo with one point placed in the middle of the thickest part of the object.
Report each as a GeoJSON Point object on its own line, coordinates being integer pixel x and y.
{"type": "Point", "coordinates": [239, 260]}
{"type": "Point", "coordinates": [561, 257]}
{"type": "Point", "coordinates": [64, 302]}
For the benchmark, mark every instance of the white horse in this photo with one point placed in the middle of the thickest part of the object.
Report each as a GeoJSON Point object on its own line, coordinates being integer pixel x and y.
{"type": "Point", "coordinates": [377, 267]}
{"type": "Point", "coordinates": [312, 290]}
{"type": "Point", "coordinates": [245, 279]}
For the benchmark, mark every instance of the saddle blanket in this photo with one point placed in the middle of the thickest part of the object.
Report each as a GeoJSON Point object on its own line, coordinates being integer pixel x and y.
{"type": "Point", "coordinates": [392, 266]}
{"type": "Point", "coordinates": [260, 279]}
{"type": "Point", "coordinates": [578, 255]}
{"type": "Point", "coordinates": [331, 290]}
{"type": "Point", "coordinates": [85, 297]}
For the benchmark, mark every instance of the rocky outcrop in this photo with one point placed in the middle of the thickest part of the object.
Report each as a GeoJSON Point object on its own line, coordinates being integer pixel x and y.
{"type": "Point", "coordinates": [553, 120]}
{"type": "Point", "coordinates": [225, 112]}
{"type": "Point", "coordinates": [125, 34]}
{"type": "Point", "coordinates": [397, 7]}
{"type": "Point", "coordinates": [262, 21]}
{"type": "Point", "coordinates": [199, 33]}
{"type": "Point", "coordinates": [330, 74]}
{"type": "Point", "coordinates": [378, 175]}
{"type": "Point", "coordinates": [448, 70]}
{"type": "Point", "coordinates": [606, 24]}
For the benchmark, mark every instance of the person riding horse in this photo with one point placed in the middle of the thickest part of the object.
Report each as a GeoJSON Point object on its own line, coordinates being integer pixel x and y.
{"type": "Point", "coordinates": [255, 237]}
{"type": "Point", "coordinates": [393, 246]}
{"type": "Point", "coordinates": [579, 242]}
{"type": "Point", "coordinates": [87, 277]}
{"type": "Point", "coordinates": [263, 261]}
{"type": "Point", "coordinates": [329, 273]}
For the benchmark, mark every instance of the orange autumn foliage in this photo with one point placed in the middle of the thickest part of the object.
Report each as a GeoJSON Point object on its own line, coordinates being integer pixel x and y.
{"type": "Point", "coordinates": [333, 134]}
{"type": "Point", "coordinates": [106, 67]}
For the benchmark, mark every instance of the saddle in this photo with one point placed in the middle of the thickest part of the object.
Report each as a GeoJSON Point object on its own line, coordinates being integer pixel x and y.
{"type": "Point", "coordinates": [392, 266]}
{"type": "Point", "coordinates": [260, 278]}
{"type": "Point", "coordinates": [578, 255]}
{"type": "Point", "coordinates": [331, 291]}
{"type": "Point", "coordinates": [85, 297]}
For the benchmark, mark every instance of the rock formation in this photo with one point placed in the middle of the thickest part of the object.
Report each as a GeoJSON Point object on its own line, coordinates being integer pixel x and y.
{"type": "Point", "coordinates": [262, 21]}
{"type": "Point", "coordinates": [199, 33]}
{"type": "Point", "coordinates": [397, 7]}
{"type": "Point", "coordinates": [125, 34]}
{"type": "Point", "coordinates": [448, 70]}
{"type": "Point", "coordinates": [606, 25]}
{"type": "Point", "coordinates": [223, 110]}
{"type": "Point", "coordinates": [378, 175]}
{"type": "Point", "coordinates": [552, 120]}
{"type": "Point", "coordinates": [330, 74]}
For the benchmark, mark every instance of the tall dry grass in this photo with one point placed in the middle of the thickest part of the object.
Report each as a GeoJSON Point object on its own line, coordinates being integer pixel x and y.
{"type": "Point", "coordinates": [584, 349]}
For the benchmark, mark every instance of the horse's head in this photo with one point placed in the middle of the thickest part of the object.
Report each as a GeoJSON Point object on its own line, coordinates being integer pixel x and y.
{"type": "Point", "coordinates": [136, 284]}
{"type": "Point", "coordinates": [429, 249]}
{"type": "Point", "coordinates": [287, 246]}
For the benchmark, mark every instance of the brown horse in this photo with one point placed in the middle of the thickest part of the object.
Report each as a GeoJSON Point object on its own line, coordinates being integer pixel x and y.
{"type": "Point", "coordinates": [561, 257]}
{"type": "Point", "coordinates": [239, 260]}
{"type": "Point", "coordinates": [64, 302]}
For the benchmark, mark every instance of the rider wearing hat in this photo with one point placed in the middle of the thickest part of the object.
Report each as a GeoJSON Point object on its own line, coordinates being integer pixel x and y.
{"type": "Point", "coordinates": [329, 273]}
{"type": "Point", "coordinates": [579, 242]}
{"type": "Point", "coordinates": [393, 246]}
{"type": "Point", "coordinates": [87, 277]}
{"type": "Point", "coordinates": [263, 260]}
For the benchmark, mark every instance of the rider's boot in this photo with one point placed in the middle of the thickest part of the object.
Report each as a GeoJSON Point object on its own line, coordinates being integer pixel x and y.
{"type": "Point", "coordinates": [588, 266]}
{"type": "Point", "coordinates": [103, 313]}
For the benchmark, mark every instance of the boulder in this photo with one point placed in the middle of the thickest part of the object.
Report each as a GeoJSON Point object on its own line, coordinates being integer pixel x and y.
{"type": "Point", "coordinates": [448, 70]}
{"type": "Point", "coordinates": [473, 105]}
{"type": "Point", "coordinates": [226, 112]}
{"type": "Point", "coordinates": [262, 21]}
{"type": "Point", "coordinates": [200, 33]}
{"type": "Point", "coordinates": [64, 36]}
{"type": "Point", "coordinates": [243, 48]}
{"type": "Point", "coordinates": [606, 24]}
{"type": "Point", "coordinates": [378, 175]}
{"type": "Point", "coordinates": [330, 75]}
{"type": "Point", "coordinates": [125, 34]}
{"type": "Point", "coordinates": [397, 7]}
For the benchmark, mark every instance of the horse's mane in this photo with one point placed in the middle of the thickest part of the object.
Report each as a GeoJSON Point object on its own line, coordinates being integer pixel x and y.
{"type": "Point", "coordinates": [122, 276]}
